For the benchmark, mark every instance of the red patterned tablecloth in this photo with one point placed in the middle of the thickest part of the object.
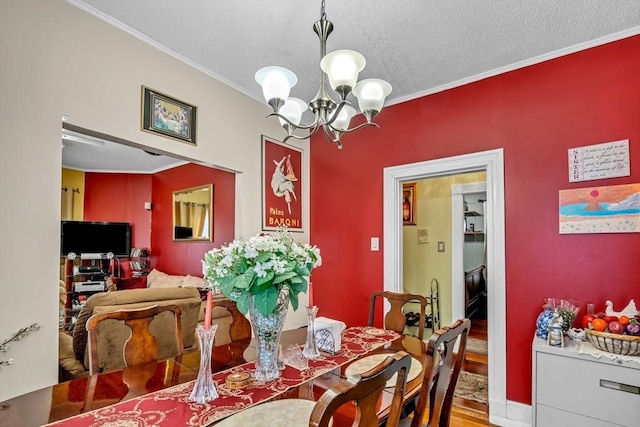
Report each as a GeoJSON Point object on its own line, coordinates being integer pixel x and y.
{"type": "Point", "coordinates": [171, 407]}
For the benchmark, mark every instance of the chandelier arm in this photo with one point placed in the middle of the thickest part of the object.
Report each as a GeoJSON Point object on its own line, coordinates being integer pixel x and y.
{"type": "Point", "coordinates": [295, 126]}
{"type": "Point", "coordinates": [301, 138]}
{"type": "Point", "coordinates": [336, 111]}
{"type": "Point", "coordinates": [356, 128]}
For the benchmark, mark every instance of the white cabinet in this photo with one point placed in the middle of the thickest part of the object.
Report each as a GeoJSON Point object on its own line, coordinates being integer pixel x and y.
{"type": "Point", "coordinates": [575, 389]}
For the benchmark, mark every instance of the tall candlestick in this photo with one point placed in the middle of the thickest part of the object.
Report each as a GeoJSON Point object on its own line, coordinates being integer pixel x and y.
{"type": "Point", "coordinates": [207, 312]}
{"type": "Point", "coordinates": [310, 292]}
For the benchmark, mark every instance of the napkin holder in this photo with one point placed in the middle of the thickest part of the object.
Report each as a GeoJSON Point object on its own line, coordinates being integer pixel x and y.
{"type": "Point", "coordinates": [329, 334]}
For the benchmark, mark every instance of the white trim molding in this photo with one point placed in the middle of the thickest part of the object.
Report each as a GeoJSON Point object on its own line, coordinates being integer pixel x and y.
{"type": "Point", "coordinates": [491, 161]}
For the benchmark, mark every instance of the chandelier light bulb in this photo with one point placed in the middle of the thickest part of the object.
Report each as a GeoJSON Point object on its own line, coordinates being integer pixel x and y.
{"type": "Point", "coordinates": [276, 82]}
{"type": "Point", "coordinates": [371, 94]}
{"type": "Point", "coordinates": [342, 68]}
{"type": "Point", "coordinates": [344, 118]}
{"type": "Point", "coordinates": [293, 109]}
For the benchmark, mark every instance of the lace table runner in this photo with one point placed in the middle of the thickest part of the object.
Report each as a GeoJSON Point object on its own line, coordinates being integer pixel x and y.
{"type": "Point", "coordinates": [170, 407]}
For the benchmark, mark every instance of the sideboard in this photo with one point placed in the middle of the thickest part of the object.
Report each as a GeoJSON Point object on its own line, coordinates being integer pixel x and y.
{"type": "Point", "coordinates": [578, 385]}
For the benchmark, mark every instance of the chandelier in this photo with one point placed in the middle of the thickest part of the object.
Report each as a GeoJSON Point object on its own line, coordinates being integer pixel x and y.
{"type": "Point", "coordinates": [341, 68]}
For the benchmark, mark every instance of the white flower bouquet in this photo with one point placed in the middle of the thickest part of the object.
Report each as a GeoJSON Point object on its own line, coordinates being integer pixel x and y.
{"type": "Point", "coordinates": [262, 267]}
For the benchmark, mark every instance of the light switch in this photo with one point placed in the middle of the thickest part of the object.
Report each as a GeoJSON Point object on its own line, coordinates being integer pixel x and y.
{"type": "Point", "coordinates": [375, 244]}
{"type": "Point", "coordinates": [440, 246]}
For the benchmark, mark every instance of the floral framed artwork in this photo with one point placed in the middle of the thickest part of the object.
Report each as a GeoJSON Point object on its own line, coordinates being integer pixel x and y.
{"type": "Point", "coordinates": [409, 201]}
{"type": "Point", "coordinates": [281, 186]}
{"type": "Point", "coordinates": [167, 116]}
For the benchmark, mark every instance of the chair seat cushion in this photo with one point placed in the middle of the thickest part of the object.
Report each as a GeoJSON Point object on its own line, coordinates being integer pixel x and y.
{"type": "Point", "coordinates": [277, 413]}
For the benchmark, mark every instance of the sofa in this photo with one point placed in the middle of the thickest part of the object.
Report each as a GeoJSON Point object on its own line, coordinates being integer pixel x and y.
{"type": "Point", "coordinates": [73, 356]}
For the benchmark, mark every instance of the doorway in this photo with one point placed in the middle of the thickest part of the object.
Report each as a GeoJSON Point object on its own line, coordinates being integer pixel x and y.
{"type": "Point", "coordinates": [492, 162]}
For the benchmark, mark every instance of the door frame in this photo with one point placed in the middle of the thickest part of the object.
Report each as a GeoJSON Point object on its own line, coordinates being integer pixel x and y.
{"type": "Point", "coordinates": [492, 161]}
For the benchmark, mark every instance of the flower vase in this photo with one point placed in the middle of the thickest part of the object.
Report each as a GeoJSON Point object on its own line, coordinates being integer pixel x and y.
{"type": "Point", "coordinates": [310, 351]}
{"type": "Point", "coordinates": [204, 390]}
{"type": "Point", "coordinates": [267, 330]}
{"type": "Point", "coordinates": [542, 323]}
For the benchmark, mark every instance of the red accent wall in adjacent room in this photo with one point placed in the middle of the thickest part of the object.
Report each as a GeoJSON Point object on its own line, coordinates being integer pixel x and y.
{"type": "Point", "coordinates": [120, 197]}
{"type": "Point", "coordinates": [535, 114]}
{"type": "Point", "coordinates": [186, 257]}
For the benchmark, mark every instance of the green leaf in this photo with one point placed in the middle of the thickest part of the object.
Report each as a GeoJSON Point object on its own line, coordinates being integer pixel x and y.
{"type": "Point", "coordinates": [293, 298]}
{"type": "Point", "coordinates": [284, 276]}
{"type": "Point", "coordinates": [266, 301]}
{"type": "Point", "coordinates": [263, 257]}
{"type": "Point", "coordinates": [266, 279]}
{"type": "Point", "coordinates": [242, 303]}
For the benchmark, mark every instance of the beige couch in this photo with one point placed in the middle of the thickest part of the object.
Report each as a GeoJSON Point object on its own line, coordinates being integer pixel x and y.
{"type": "Point", "coordinates": [219, 315]}
{"type": "Point", "coordinates": [73, 357]}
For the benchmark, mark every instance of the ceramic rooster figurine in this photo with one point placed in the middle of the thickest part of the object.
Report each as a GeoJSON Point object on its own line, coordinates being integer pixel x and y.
{"type": "Point", "coordinates": [630, 310]}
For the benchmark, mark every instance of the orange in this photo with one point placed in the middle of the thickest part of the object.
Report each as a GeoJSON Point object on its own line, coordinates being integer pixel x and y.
{"type": "Point", "coordinates": [598, 324]}
{"type": "Point", "coordinates": [624, 320]}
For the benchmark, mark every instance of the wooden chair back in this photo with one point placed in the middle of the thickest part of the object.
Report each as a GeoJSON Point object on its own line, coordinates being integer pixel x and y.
{"type": "Point", "coordinates": [395, 319]}
{"type": "Point", "coordinates": [441, 374]}
{"type": "Point", "coordinates": [365, 390]}
{"type": "Point", "coordinates": [142, 346]}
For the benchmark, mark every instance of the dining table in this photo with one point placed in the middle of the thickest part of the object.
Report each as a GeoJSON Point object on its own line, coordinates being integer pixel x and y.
{"type": "Point", "coordinates": [158, 393]}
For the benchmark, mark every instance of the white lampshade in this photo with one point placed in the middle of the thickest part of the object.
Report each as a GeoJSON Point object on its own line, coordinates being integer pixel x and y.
{"type": "Point", "coordinates": [344, 118]}
{"type": "Point", "coordinates": [342, 67]}
{"type": "Point", "coordinates": [276, 82]}
{"type": "Point", "coordinates": [293, 109]}
{"type": "Point", "coordinates": [371, 94]}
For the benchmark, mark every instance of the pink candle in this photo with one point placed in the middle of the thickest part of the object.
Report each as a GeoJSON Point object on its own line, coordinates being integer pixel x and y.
{"type": "Point", "coordinates": [207, 312]}
{"type": "Point", "coordinates": [310, 292]}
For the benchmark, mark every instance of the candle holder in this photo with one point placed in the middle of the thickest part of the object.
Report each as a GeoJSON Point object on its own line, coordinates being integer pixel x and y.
{"type": "Point", "coordinates": [204, 389]}
{"type": "Point", "coordinates": [310, 348]}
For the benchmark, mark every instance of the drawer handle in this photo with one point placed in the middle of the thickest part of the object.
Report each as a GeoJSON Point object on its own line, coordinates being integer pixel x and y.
{"type": "Point", "coordinates": [619, 386]}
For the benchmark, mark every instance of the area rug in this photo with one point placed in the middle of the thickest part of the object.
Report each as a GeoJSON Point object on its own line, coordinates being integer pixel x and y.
{"type": "Point", "coordinates": [477, 346]}
{"type": "Point", "coordinates": [472, 387]}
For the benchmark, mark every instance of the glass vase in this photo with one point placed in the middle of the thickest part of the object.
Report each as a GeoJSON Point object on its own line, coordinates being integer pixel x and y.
{"type": "Point", "coordinates": [204, 389]}
{"type": "Point", "coordinates": [310, 348]}
{"type": "Point", "coordinates": [267, 330]}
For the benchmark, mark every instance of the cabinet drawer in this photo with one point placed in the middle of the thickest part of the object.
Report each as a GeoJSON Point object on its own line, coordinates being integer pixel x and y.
{"type": "Point", "coordinates": [574, 385]}
{"type": "Point", "coordinates": [552, 417]}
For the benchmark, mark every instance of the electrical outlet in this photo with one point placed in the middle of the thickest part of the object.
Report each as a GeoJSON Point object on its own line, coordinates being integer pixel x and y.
{"type": "Point", "coordinates": [440, 246]}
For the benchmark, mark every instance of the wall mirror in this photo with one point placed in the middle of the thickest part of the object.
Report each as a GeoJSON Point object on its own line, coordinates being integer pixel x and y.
{"type": "Point", "coordinates": [193, 214]}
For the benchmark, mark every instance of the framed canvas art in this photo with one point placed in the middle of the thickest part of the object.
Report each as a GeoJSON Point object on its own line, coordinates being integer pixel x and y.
{"type": "Point", "coordinates": [167, 116]}
{"type": "Point", "coordinates": [409, 203]}
{"type": "Point", "coordinates": [281, 186]}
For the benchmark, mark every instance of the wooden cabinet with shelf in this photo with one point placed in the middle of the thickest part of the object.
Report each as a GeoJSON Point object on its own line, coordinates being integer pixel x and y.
{"type": "Point", "coordinates": [139, 262]}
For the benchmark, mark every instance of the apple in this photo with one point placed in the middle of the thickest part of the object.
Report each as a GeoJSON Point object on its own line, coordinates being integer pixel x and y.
{"type": "Point", "coordinates": [600, 315]}
{"type": "Point", "coordinates": [586, 319]}
{"type": "Point", "coordinates": [610, 319]}
{"type": "Point", "coordinates": [616, 327]}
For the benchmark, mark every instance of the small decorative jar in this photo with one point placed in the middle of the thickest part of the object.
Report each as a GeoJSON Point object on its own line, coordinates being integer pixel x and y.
{"type": "Point", "coordinates": [555, 336]}
{"type": "Point", "coordinates": [542, 323]}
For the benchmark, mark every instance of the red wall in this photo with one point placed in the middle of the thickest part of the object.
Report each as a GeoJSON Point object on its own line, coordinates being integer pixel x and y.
{"type": "Point", "coordinates": [186, 257]}
{"type": "Point", "coordinates": [535, 114]}
{"type": "Point", "coordinates": [120, 197]}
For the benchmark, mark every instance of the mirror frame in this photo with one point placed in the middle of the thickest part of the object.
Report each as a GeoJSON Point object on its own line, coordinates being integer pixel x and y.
{"type": "Point", "coordinates": [209, 238]}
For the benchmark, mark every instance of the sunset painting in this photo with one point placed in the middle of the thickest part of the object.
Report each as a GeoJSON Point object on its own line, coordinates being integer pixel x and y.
{"type": "Point", "coordinates": [606, 209]}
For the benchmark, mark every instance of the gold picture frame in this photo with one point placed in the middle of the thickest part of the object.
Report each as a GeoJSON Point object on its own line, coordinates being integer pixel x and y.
{"type": "Point", "coordinates": [409, 200]}
{"type": "Point", "coordinates": [167, 116]}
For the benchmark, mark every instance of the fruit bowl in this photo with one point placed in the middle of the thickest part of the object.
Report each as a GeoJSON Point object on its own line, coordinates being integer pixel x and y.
{"type": "Point", "coordinates": [627, 345]}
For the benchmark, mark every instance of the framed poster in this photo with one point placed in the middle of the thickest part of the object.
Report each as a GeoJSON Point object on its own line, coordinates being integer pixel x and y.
{"type": "Point", "coordinates": [168, 116]}
{"type": "Point", "coordinates": [281, 186]}
{"type": "Point", "coordinates": [409, 203]}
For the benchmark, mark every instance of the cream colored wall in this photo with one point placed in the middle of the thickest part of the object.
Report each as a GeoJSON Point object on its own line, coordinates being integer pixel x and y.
{"type": "Point", "coordinates": [75, 179]}
{"type": "Point", "coordinates": [56, 59]}
{"type": "Point", "coordinates": [422, 261]}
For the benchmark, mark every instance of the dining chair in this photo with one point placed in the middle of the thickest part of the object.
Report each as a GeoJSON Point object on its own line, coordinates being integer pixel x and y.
{"type": "Point", "coordinates": [363, 389]}
{"type": "Point", "coordinates": [142, 346]}
{"type": "Point", "coordinates": [441, 374]}
{"type": "Point", "coordinates": [395, 319]}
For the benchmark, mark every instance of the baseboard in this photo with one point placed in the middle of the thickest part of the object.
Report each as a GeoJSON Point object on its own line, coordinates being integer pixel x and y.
{"type": "Point", "coordinates": [517, 415]}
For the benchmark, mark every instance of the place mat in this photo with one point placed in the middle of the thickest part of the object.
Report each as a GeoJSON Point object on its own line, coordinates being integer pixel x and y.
{"type": "Point", "coordinates": [369, 362]}
{"type": "Point", "coordinates": [171, 406]}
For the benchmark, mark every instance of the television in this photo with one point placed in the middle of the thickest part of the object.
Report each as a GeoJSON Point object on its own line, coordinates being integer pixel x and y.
{"type": "Point", "coordinates": [95, 237]}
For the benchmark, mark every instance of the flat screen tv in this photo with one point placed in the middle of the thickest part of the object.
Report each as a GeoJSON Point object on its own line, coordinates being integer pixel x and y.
{"type": "Point", "coordinates": [95, 237]}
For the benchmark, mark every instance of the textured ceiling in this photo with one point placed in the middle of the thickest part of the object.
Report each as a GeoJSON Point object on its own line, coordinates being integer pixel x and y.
{"type": "Point", "coordinates": [419, 46]}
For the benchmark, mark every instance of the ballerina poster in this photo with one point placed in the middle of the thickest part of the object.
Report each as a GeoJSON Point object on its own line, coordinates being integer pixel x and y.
{"type": "Point", "coordinates": [281, 186]}
{"type": "Point", "coordinates": [604, 209]}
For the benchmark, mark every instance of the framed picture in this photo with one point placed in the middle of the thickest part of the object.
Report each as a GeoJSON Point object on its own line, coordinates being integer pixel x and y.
{"type": "Point", "coordinates": [168, 116]}
{"type": "Point", "coordinates": [281, 186]}
{"type": "Point", "coordinates": [409, 203]}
